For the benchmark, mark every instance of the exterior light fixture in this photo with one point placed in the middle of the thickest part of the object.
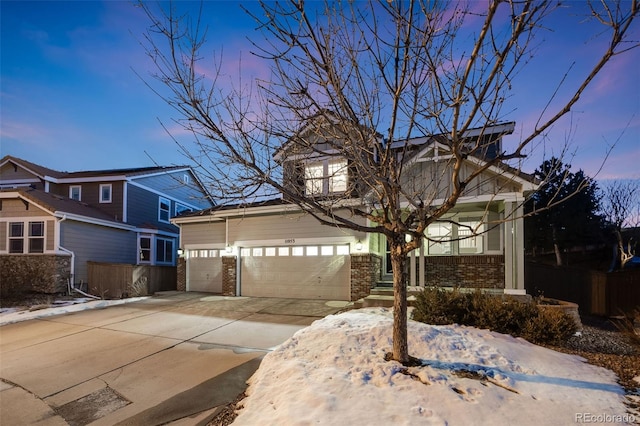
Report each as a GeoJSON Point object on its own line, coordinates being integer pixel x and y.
{"type": "Point", "coordinates": [359, 245]}
{"type": "Point", "coordinates": [228, 249]}
{"type": "Point", "coordinates": [180, 252]}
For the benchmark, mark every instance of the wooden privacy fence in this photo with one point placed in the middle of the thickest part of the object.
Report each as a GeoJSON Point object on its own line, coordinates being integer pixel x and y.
{"type": "Point", "coordinates": [117, 280]}
{"type": "Point", "coordinates": [597, 293]}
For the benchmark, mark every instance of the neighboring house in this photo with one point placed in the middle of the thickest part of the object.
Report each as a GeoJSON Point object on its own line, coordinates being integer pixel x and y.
{"type": "Point", "coordinates": [272, 248]}
{"type": "Point", "coordinates": [61, 220]}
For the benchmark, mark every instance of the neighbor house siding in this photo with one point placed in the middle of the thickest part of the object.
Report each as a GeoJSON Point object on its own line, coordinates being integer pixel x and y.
{"type": "Point", "coordinates": [9, 172]}
{"type": "Point", "coordinates": [173, 186]}
{"type": "Point", "coordinates": [91, 196]}
{"type": "Point", "coordinates": [143, 209]}
{"type": "Point", "coordinates": [97, 243]}
{"type": "Point", "coordinates": [17, 209]}
{"type": "Point", "coordinates": [3, 236]}
{"type": "Point", "coordinates": [50, 229]}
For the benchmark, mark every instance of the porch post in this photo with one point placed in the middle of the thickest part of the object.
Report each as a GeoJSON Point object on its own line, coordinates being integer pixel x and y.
{"type": "Point", "coordinates": [508, 247]}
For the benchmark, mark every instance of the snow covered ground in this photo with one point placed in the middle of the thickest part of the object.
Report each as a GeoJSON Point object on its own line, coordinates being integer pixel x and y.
{"type": "Point", "coordinates": [333, 372]}
{"type": "Point", "coordinates": [12, 315]}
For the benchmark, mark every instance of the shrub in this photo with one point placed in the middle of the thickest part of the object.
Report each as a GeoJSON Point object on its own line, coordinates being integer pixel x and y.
{"type": "Point", "coordinates": [509, 316]}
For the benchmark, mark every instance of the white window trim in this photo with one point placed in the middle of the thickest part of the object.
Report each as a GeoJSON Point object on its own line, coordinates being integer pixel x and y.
{"type": "Point", "coordinates": [325, 182]}
{"type": "Point", "coordinates": [173, 249]}
{"type": "Point", "coordinates": [106, 185]}
{"type": "Point", "coordinates": [150, 261]}
{"type": "Point", "coordinates": [25, 234]}
{"type": "Point", "coordinates": [71, 188]}
{"type": "Point", "coordinates": [160, 202]}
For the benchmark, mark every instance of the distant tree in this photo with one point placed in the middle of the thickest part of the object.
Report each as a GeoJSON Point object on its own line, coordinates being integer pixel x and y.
{"type": "Point", "coordinates": [397, 67]}
{"type": "Point", "coordinates": [564, 212]}
{"type": "Point", "coordinates": [621, 207]}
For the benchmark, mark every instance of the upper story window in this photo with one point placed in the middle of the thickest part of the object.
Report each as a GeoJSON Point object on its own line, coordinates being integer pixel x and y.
{"type": "Point", "coordinates": [164, 210]}
{"type": "Point", "coordinates": [75, 192]}
{"type": "Point", "coordinates": [182, 208]}
{"type": "Point", "coordinates": [326, 177]}
{"type": "Point", "coordinates": [33, 241]}
{"type": "Point", "coordinates": [186, 179]}
{"type": "Point", "coordinates": [105, 192]}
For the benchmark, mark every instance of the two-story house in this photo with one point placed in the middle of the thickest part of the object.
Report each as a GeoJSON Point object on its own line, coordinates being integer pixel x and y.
{"type": "Point", "coordinates": [272, 248]}
{"type": "Point", "coordinates": [59, 221]}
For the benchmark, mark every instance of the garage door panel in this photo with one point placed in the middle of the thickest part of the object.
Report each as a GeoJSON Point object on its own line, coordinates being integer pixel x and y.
{"type": "Point", "coordinates": [205, 274]}
{"type": "Point", "coordinates": [304, 277]}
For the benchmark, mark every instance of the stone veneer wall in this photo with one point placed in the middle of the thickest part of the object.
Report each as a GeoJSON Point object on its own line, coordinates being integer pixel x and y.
{"type": "Point", "coordinates": [181, 274]}
{"type": "Point", "coordinates": [229, 275]}
{"type": "Point", "coordinates": [479, 271]}
{"type": "Point", "coordinates": [365, 272]}
{"type": "Point", "coordinates": [36, 273]}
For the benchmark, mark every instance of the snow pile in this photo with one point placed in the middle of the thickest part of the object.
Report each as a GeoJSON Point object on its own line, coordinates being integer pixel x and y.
{"type": "Point", "coordinates": [333, 372]}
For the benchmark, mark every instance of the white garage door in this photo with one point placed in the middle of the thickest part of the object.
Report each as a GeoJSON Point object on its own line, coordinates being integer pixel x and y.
{"type": "Point", "coordinates": [204, 271]}
{"type": "Point", "coordinates": [300, 272]}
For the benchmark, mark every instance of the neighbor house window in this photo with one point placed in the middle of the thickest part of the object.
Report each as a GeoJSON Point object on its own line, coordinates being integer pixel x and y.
{"type": "Point", "coordinates": [75, 192]}
{"type": "Point", "coordinates": [16, 237]}
{"type": "Point", "coordinates": [179, 209]}
{"type": "Point", "coordinates": [164, 251]}
{"type": "Point", "coordinates": [164, 208]}
{"type": "Point", "coordinates": [105, 192]}
{"type": "Point", "coordinates": [326, 177]}
{"type": "Point", "coordinates": [145, 249]}
{"type": "Point", "coordinates": [34, 237]}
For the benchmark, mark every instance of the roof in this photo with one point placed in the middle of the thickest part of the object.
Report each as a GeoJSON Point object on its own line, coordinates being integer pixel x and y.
{"type": "Point", "coordinates": [56, 203]}
{"type": "Point", "coordinates": [127, 172]}
{"type": "Point", "coordinates": [240, 206]}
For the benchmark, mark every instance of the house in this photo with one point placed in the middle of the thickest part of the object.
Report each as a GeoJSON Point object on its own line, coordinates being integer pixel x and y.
{"type": "Point", "coordinates": [52, 223]}
{"type": "Point", "coordinates": [272, 248]}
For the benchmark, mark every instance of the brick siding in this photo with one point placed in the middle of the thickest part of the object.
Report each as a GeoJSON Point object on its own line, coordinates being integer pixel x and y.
{"type": "Point", "coordinates": [229, 276]}
{"type": "Point", "coordinates": [365, 272]}
{"type": "Point", "coordinates": [181, 274]}
{"type": "Point", "coordinates": [480, 271]}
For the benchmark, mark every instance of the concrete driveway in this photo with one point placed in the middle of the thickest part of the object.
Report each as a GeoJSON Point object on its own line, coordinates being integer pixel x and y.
{"type": "Point", "coordinates": [172, 358]}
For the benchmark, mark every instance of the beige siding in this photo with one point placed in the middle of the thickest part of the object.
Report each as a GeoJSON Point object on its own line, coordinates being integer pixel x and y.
{"type": "Point", "coordinates": [10, 172]}
{"type": "Point", "coordinates": [202, 233]}
{"type": "Point", "coordinates": [15, 208]}
{"type": "Point", "coordinates": [282, 227]}
{"type": "Point", "coordinates": [50, 229]}
{"type": "Point", "coordinates": [3, 235]}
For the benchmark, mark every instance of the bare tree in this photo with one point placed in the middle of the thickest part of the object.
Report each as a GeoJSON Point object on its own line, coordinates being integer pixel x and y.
{"type": "Point", "coordinates": [621, 206]}
{"type": "Point", "coordinates": [342, 73]}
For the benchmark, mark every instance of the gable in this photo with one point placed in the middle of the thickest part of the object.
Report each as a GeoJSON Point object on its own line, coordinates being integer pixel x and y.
{"type": "Point", "coordinates": [15, 174]}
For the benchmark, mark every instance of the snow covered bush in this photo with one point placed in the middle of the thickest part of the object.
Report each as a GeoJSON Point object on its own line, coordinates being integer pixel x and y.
{"type": "Point", "coordinates": [438, 306]}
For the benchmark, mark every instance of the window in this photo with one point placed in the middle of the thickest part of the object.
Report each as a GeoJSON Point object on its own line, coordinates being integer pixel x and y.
{"type": "Point", "coordinates": [185, 179]}
{"type": "Point", "coordinates": [145, 249]}
{"type": "Point", "coordinates": [35, 237]}
{"type": "Point", "coordinates": [164, 207]}
{"type": "Point", "coordinates": [326, 177]}
{"type": "Point", "coordinates": [313, 177]}
{"type": "Point", "coordinates": [16, 237]}
{"type": "Point", "coordinates": [181, 209]}
{"type": "Point", "coordinates": [440, 235]}
{"type": "Point", "coordinates": [75, 192]}
{"type": "Point", "coordinates": [338, 173]}
{"type": "Point", "coordinates": [470, 243]}
{"type": "Point", "coordinates": [105, 192]}
{"type": "Point", "coordinates": [164, 251]}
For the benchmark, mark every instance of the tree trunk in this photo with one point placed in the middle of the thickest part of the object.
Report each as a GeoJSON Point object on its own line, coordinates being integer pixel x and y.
{"type": "Point", "coordinates": [400, 351]}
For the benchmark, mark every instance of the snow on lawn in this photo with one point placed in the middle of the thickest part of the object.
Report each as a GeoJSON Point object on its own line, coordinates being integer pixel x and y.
{"type": "Point", "coordinates": [11, 315]}
{"type": "Point", "coordinates": [333, 372]}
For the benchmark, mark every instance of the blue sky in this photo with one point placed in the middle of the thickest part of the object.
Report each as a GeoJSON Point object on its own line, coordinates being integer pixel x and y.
{"type": "Point", "coordinates": [70, 98]}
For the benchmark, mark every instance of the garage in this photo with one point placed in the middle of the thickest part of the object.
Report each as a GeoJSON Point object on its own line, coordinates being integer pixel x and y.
{"type": "Point", "coordinates": [300, 272]}
{"type": "Point", "coordinates": [204, 271]}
